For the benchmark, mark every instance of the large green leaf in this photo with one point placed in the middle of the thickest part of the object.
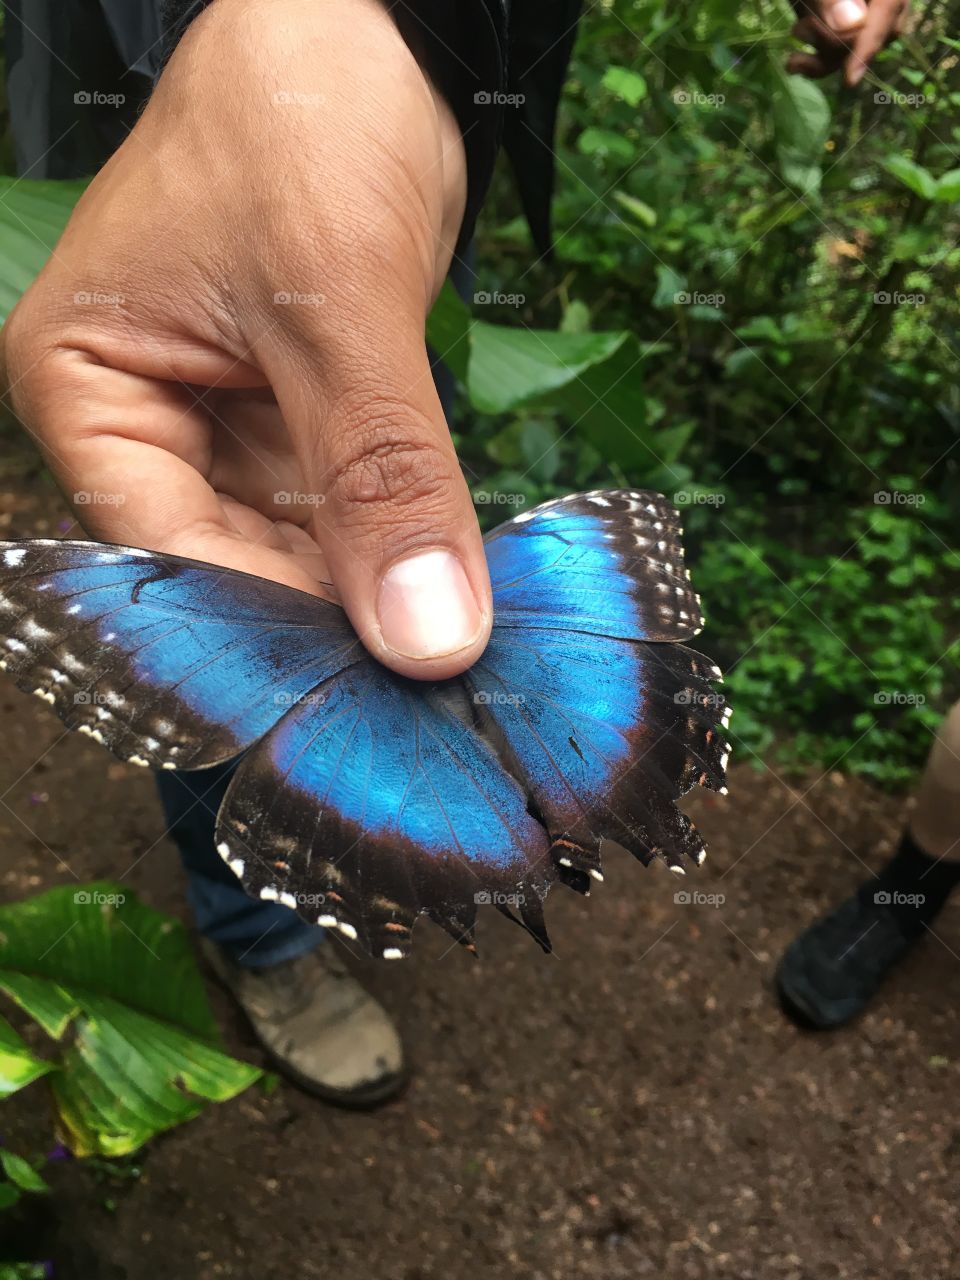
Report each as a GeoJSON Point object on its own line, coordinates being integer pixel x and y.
{"type": "Point", "coordinates": [606, 405]}
{"type": "Point", "coordinates": [19, 1066]}
{"type": "Point", "coordinates": [32, 215]}
{"type": "Point", "coordinates": [448, 330]}
{"type": "Point", "coordinates": [595, 380]}
{"type": "Point", "coordinates": [801, 121]}
{"type": "Point", "coordinates": [509, 366]}
{"type": "Point", "coordinates": [145, 1053]}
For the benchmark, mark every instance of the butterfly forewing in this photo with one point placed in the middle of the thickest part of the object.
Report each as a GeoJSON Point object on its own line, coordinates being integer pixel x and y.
{"type": "Point", "coordinates": [164, 661]}
{"type": "Point", "coordinates": [608, 563]}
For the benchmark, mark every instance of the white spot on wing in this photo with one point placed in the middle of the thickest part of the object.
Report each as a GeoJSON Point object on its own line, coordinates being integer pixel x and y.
{"type": "Point", "coordinates": [33, 631]}
{"type": "Point", "coordinates": [14, 556]}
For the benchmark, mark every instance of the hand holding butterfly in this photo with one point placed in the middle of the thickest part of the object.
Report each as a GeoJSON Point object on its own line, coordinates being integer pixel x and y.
{"type": "Point", "coordinates": [224, 357]}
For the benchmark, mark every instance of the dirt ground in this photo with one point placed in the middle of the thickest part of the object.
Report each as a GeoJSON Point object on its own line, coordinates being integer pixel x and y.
{"type": "Point", "coordinates": [634, 1105]}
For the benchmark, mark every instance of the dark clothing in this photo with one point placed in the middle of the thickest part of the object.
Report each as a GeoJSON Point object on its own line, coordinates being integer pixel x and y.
{"type": "Point", "coordinates": [500, 64]}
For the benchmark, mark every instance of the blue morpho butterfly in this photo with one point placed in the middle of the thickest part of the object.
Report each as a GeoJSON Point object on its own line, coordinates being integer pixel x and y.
{"type": "Point", "coordinates": [378, 796]}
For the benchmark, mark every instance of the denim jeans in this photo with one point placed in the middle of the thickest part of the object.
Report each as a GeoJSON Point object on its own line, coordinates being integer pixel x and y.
{"type": "Point", "coordinates": [251, 932]}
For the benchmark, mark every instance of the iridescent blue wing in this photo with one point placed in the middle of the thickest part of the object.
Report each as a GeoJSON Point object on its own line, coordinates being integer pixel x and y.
{"type": "Point", "coordinates": [608, 563]}
{"type": "Point", "coordinates": [378, 802]}
{"type": "Point", "coordinates": [368, 799]}
{"type": "Point", "coordinates": [393, 798]}
{"type": "Point", "coordinates": [606, 735]}
{"type": "Point", "coordinates": [606, 722]}
{"type": "Point", "coordinates": [166, 662]}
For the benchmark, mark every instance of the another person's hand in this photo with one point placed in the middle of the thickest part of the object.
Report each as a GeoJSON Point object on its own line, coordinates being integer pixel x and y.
{"type": "Point", "coordinates": [845, 34]}
{"type": "Point", "coordinates": [224, 357]}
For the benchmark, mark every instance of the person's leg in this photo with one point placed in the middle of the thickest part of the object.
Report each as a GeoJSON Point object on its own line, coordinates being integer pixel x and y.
{"type": "Point", "coordinates": [936, 819]}
{"type": "Point", "coordinates": [322, 1029]}
{"type": "Point", "coordinates": [250, 932]}
{"type": "Point", "coordinates": [829, 974]}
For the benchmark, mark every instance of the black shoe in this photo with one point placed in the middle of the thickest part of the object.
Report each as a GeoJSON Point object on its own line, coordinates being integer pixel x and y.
{"type": "Point", "coordinates": [830, 973]}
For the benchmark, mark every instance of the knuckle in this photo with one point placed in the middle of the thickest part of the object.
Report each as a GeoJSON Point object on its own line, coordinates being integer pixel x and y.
{"type": "Point", "coordinates": [385, 465]}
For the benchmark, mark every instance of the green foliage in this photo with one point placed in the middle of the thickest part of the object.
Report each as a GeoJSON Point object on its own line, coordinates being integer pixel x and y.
{"type": "Point", "coordinates": [824, 641]}
{"type": "Point", "coordinates": [783, 252]}
{"type": "Point", "coordinates": [801, 122]}
{"type": "Point", "coordinates": [32, 216]}
{"type": "Point", "coordinates": [144, 1052]}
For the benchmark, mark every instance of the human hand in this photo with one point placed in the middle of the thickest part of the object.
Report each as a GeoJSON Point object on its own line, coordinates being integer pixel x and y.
{"type": "Point", "coordinates": [845, 34]}
{"type": "Point", "coordinates": [224, 357]}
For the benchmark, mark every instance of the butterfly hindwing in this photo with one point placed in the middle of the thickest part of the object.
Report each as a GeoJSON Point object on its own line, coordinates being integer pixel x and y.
{"type": "Point", "coordinates": [606, 736]}
{"type": "Point", "coordinates": [380, 802]}
{"type": "Point", "coordinates": [166, 662]}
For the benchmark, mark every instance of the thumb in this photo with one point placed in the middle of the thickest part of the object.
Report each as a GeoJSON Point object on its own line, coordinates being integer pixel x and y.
{"type": "Point", "coordinates": [393, 513]}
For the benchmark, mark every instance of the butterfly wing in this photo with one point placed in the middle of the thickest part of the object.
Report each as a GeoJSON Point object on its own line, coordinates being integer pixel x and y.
{"type": "Point", "coordinates": [366, 798]}
{"type": "Point", "coordinates": [606, 722]}
{"type": "Point", "coordinates": [607, 735]}
{"type": "Point", "coordinates": [165, 661]}
{"type": "Point", "coordinates": [379, 805]}
{"type": "Point", "coordinates": [401, 798]}
{"type": "Point", "coordinates": [608, 563]}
